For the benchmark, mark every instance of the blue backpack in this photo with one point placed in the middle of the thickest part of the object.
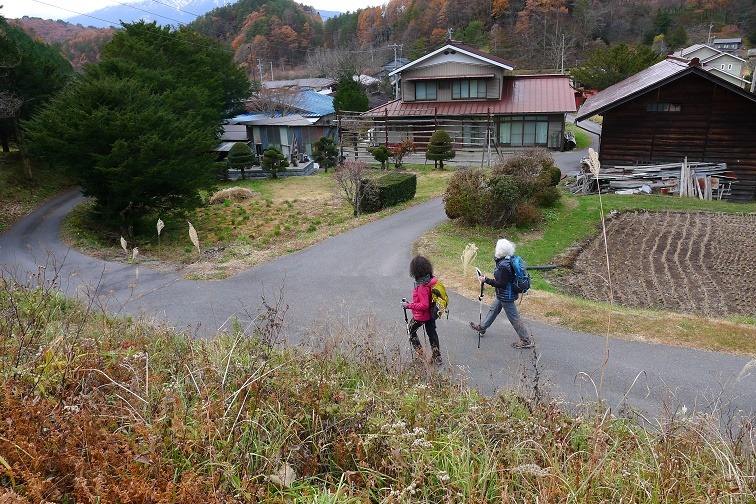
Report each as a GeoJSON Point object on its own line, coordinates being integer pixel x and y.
{"type": "Point", "coordinates": [520, 275]}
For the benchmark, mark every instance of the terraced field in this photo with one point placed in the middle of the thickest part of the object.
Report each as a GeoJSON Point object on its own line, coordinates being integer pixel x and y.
{"type": "Point", "coordinates": [681, 261]}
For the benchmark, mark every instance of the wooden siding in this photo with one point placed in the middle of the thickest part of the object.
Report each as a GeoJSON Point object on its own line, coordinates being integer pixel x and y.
{"type": "Point", "coordinates": [713, 125]}
{"type": "Point", "coordinates": [449, 69]}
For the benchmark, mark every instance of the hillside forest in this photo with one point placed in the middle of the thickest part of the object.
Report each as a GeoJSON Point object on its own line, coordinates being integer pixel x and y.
{"type": "Point", "coordinates": [538, 35]}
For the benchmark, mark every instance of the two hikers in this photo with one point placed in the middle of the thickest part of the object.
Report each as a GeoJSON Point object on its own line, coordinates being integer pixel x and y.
{"type": "Point", "coordinates": [505, 295]}
{"type": "Point", "coordinates": [421, 270]}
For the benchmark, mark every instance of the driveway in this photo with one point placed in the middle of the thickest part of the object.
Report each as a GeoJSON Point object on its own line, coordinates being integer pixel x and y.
{"type": "Point", "coordinates": [353, 284]}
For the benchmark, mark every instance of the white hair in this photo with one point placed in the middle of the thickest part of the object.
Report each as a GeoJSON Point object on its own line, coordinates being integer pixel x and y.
{"type": "Point", "coordinates": [504, 248]}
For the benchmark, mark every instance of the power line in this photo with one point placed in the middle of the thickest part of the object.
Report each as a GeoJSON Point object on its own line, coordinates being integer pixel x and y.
{"type": "Point", "coordinates": [122, 3]}
{"type": "Point", "coordinates": [75, 12]}
{"type": "Point", "coordinates": [180, 10]}
{"type": "Point", "coordinates": [148, 12]}
{"type": "Point", "coordinates": [218, 47]}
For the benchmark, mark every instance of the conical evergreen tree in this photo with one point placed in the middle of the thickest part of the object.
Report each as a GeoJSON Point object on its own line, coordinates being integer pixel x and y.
{"type": "Point", "coordinates": [440, 148]}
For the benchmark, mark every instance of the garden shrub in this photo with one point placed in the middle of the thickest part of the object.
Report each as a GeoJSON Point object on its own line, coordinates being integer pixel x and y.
{"type": "Point", "coordinates": [547, 197]}
{"type": "Point", "coordinates": [465, 197]}
{"type": "Point", "coordinates": [390, 189]}
{"type": "Point", "coordinates": [511, 193]}
{"type": "Point", "coordinates": [526, 215]}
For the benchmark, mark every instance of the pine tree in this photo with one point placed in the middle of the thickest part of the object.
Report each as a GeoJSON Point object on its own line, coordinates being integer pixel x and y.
{"type": "Point", "coordinates": [326, 152]}
{"type": "Point", "coordinates": [274, 161]}
{"type": "Point", "coordinates": [240, 157]}
{"type": "Point", "coordinates": [440, 148]}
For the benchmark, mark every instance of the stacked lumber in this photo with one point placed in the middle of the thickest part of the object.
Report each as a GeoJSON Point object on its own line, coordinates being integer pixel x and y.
{"type": "Point", "coordinates": [692, 179]}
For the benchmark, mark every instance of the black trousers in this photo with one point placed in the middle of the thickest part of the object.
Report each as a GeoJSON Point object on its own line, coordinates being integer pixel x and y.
{"type": "Point", "coordinates": [430, 329]}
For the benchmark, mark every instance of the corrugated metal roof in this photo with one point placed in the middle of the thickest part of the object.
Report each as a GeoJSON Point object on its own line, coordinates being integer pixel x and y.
{"type": "Point", "coordinates": [522, 94]}
{"type": "Point", "coordinates": [224, 146]}
{"type": "Point", "coordinates": [652, 77]}
{"type": "Point", "coordinates": [234, 133]}
{"type": "Point", "coordinates": [264, 120]}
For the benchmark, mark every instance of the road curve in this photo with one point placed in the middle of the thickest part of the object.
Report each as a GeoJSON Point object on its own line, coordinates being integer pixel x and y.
{"type": "Point", "coordinates": [354, 283]}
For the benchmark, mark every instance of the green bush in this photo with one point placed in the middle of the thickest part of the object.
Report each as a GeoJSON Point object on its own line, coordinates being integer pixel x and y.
{"type": "Point", "coordinates": [526, 215]}
{"type": "Point", "coordinates": [547, 197]}
{"type": "Point", "coordinates": [389, 190]}
{"type": "Point", "coordinates": [510, 194]}
{"type": "Point", "coordinates": [464, 198]}
{"type": "Point", "coordinates": [503, 194]}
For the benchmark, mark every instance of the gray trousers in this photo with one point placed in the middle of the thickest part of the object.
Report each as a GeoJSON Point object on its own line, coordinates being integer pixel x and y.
{"type": "Point", "coordinates": [510, 308]}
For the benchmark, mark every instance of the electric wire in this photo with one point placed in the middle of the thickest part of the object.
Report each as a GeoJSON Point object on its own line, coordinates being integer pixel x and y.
{"type": "Point", "coordinates": [218, 47]}
{"type": "Point", "coordinates": [126, 5]}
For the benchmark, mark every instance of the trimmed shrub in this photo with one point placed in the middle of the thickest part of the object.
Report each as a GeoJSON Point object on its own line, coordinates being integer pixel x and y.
{"type": "Point", "coordinates": [390, 189]}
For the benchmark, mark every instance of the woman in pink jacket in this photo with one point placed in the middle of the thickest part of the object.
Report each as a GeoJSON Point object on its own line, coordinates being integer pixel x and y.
{"type": "Point", "coordinates": [421, 270]}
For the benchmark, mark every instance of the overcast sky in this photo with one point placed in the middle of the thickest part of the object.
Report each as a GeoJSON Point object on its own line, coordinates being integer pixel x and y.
{"type": "Point", "coordinates": [61, 9]}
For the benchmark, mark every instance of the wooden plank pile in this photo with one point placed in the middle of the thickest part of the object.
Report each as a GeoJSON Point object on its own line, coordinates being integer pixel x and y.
{"type": "Point", "coordinates": [692, 179]}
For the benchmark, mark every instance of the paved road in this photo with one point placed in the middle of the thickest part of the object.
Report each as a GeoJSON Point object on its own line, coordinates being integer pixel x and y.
{"type": "Point", "coordinates": [353, 283]}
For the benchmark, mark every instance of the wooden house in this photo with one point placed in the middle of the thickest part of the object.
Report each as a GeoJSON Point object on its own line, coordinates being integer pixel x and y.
{"type": "Point", "coordinates": [675, 110]}
{"type": "Point", "coordinates": [475, 97]}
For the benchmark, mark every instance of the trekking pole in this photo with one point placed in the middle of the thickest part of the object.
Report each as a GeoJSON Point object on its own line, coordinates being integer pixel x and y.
{"type": "Point", "coordinates": [480, 299]}
{"type": "Point", "coordinates": [406, 320]}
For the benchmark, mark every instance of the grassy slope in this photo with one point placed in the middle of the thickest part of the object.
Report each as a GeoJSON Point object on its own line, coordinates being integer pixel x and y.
{"type": "Point", "coordinates": [106, 410]}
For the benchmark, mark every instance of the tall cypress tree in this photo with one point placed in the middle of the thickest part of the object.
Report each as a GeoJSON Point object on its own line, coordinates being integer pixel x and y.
{"type": "Point", "coordinates": [138, 128]}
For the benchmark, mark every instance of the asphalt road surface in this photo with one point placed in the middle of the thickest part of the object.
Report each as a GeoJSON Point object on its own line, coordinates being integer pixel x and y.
{"type": "Point", "coordinates": [353, 283]}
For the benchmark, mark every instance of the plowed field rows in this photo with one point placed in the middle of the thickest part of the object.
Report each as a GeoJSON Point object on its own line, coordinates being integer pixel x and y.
{"type": "Point", "coordinates": [681, 261]}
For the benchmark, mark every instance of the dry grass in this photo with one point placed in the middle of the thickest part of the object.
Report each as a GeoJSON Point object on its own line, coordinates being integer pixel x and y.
{"type": "Point", "coordinates": [98, 409]}
{"type": "Point", "coordinates": [232, 194]}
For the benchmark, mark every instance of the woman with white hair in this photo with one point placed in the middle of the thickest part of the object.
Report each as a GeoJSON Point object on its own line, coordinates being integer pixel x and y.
{"type": "Point", "coordinates": [505, 295]}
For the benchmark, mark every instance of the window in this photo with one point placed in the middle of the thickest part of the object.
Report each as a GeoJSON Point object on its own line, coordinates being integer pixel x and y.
{"type": "Point", "coordinates": [663, 107]}
{"type": "Point", "coordinates": [521, 131]}
{"type": "Point", "coordinates": [729, 66]}
{"type": "Point", "coordinates": [425, 90]}
{"type": "Point", "coordinates": [474, 134]}
{"type": "Point", "coordinates": [469, 88]}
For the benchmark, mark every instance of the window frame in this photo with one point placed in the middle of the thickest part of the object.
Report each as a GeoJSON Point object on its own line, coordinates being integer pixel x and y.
{"type": "Point", "coordinates": [461, 89]}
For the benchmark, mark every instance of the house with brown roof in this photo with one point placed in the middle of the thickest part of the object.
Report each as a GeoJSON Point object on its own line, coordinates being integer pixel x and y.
{"type": "Point", "coordinates": [676, 110]}
{"type": "Point", "coordinates": [477, 99]}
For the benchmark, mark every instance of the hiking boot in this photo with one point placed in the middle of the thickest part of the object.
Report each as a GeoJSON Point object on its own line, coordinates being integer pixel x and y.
{"type": "Point", "coordinates": [476, 327]}
{"type": "Point", "coordinates": [522, 344]}
{"type": "Point", "coordinates": [436, 358]}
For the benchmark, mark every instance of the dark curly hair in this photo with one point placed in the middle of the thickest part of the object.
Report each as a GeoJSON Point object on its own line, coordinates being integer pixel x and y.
{"type": "Point", "coordinates": [420, 267]}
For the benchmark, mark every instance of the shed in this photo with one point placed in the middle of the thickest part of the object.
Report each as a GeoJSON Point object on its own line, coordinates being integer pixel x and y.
{"type": "Point", "coordinates": [675, 110]}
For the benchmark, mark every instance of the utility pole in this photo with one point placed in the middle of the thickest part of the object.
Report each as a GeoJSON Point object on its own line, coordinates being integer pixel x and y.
{"type": "Point", "coordinates": [396, 79]}
{"type": "Point", "coordinates": [259, 67]}
{"type": "Point", "coordinates": [708, 39]}
{"type": "Point", "coordinates": [271, 70]}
